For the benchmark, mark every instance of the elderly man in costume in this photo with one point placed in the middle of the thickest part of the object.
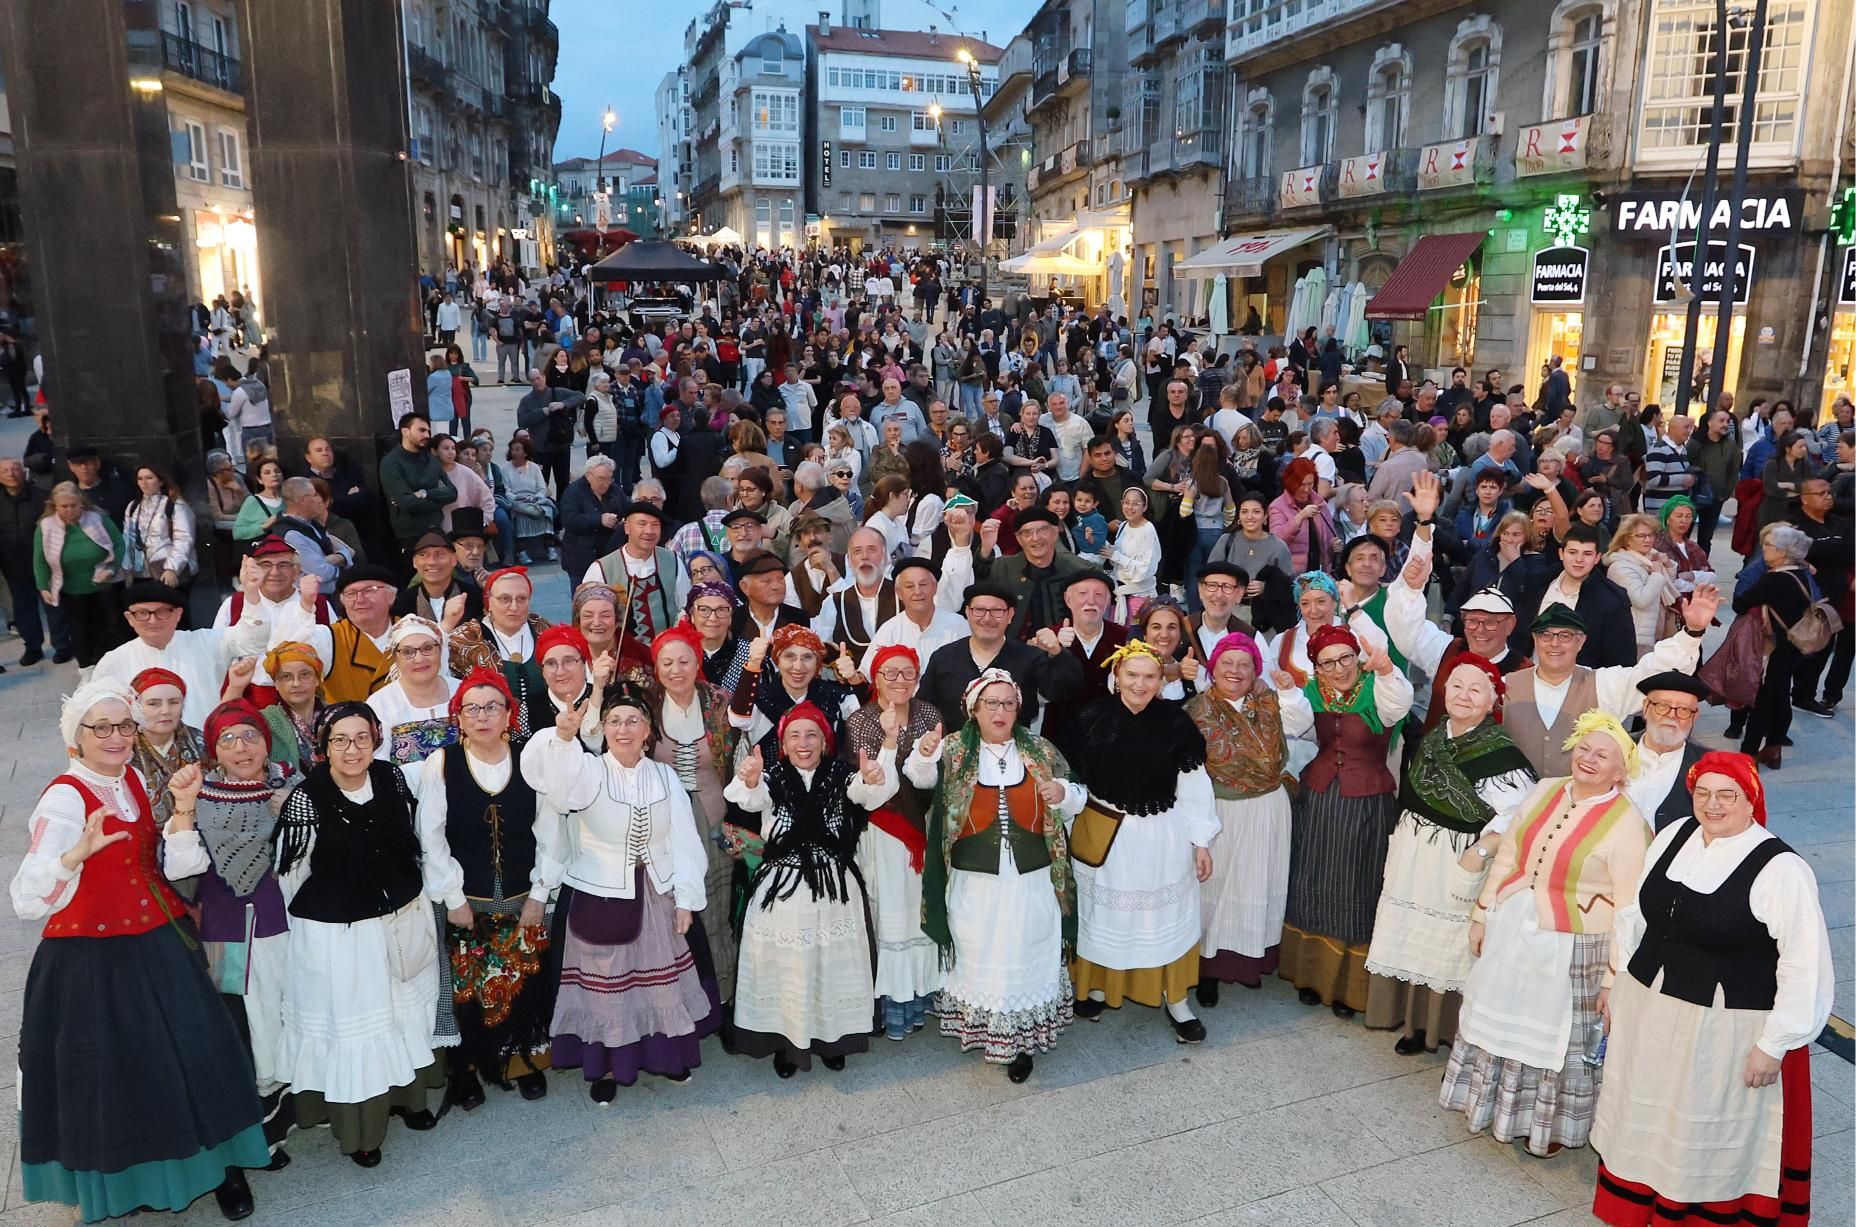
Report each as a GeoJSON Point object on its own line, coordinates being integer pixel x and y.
{"type": "Point", "coordinates": [804, 984]}
{"type": "Point", "coordinates": [1659, 790]}
{"type": "Point", "coordinates": [291, 604]}
{"type": "Point", "coordinates": [198, 658]}
{"type": "Point", "coordinates": [1461, 787]}
{"type": "Point", "coordinates": [362, 653]}
{"type": "Point", "coordinates": [1140, 845]}
{"type": "Point", "coordinates": [1242, 903]}
{"type": "Point", "coordinates": [998, 893]}
{"type": "Point", "coordinates": [1726, 979]}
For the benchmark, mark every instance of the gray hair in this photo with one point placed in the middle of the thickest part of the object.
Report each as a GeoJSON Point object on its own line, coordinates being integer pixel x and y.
{"type": "Point", "coordinates": [601, 462]}
{"type": "Point", "coordinates": [1390, 404]}
{"type": "Point", "coordinates": [1402, 432]}
{"type": "Point", "coordinates": [811, 475]}
{"type": "Point", "coordinates": [218, 461]}
{"type": "Point", "coordinates": [733, 467]}
{"type": "Point", "coordinates": [1475, 447]}
{"type": "Point", "coordinates": [1789, 541]}
{"type": "Point", "coordinates": [716, 493]}
{"type": "Point", "coordinates": [600, 378]}
{"type": "Point", "coordinates": [1503, 436]}
{"type": "Point", "coordinates": [1321, 428]}
{"type": "Point", "coordinates": [649, 486]}
{"type": "Point", "coordinates": [296, 489]}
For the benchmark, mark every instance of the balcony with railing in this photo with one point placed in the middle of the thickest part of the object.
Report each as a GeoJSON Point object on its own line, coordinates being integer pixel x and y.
{"type": "Point", "coordinates": [1258, 27]}
{"type": "Point", "coordinates": [1060, 168]}
{"type": "Point", "coordinates": [1073, 73]}
{"type": "Point", "coordinates": [1202, 17]}
{"type": "Point", "coordinates": [1140, 31]}
{"type": "Point", "coordinates": [1249, 202]}
{"type": "Point", "coordinates": [706, 86]}
{"type": "Point", "coordinates": [1046, 57]}
{"type": "Point", "coordinates": [1166, 23]}
{"type": "Point", "coordinates": [201, 63]}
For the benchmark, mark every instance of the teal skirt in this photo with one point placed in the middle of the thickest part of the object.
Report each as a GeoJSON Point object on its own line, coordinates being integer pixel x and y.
{"type": "Point", "coordinates": [161, 1184]}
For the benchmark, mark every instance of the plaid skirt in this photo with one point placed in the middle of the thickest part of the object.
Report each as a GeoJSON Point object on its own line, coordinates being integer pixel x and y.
{"type": "Point", "coordinates": [1513, 1100]}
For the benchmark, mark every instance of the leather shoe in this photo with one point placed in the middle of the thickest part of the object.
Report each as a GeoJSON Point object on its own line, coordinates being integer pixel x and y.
{"type": "Point", "coordinates": [1770, 757]}
{"type": "Point", "coordinates": [280, 1159]}
{"type": "Point", "coordinates": [1192, 1031]}
{"type": "Point", "coordinates": [1020, 1068]}
{"type": "Point", "coordinates": [784, 1067]}
{"type": "Point", "coordinates": [1089, 1009]}
{"type": "Point", "coordinates": [418, 1121]}
{"type": "Point", "coordinates": [466, 1090]}
{"type": "Point", "coordinates": [33, 656]}
{"type": "Point", "coordinates": [64, 658]}
{"type": "Point", "coordinates": [1409, 1045]}
{"type": "Point", "coordinates": [234, 1196]}
{"type": "Point", "coordinates": [834, 1064]}
{"type": "Point", "coordinates": [366, 1158]}
{"type": "Point", "coordinates": [1343, 1011]}
{"type": "Point", "coordinates": [1308, 996]}
{"type": "Point", "coordinates": [1208, 994]}
{"type": "Point", "coordinates": [533, 1086]}
{"type": "Point", "coordinates": [604, 1091]}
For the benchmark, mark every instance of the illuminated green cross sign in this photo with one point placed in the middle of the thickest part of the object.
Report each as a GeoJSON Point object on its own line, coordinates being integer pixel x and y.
{"type": "Point", "coordinates": [1843, 215]}
{"type": "Point", "coordinates": [1566, 219]}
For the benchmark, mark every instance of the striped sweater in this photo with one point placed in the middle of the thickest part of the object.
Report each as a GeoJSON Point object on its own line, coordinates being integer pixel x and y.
{"type": "Point", "coordinates": [1580, 860]}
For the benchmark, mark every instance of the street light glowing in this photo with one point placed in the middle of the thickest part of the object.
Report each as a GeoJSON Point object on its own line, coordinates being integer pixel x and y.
{"type": "Point", "coordinates": [965, 56]}
{"type": "Point", "coordinates": [145, 85]}
{"type": "Point", "coordinates": [934, 110]}
{"type": "Point", "coordinates": [609, 119]}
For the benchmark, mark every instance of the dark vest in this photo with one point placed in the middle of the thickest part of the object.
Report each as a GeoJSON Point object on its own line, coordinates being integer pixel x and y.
{"type": "Point", "coordinates": [1351, 751]}
{"type": "Point", "coordinates": [366, 860]}
{"type": "Point", "coordinates": [1703, 942]}
{"type": "Point", "coordinates": [492, 836]}
{"type": "Point", "coordinates": [850, 610]}
{"type": "Point", "coordinates": [1678, 804]}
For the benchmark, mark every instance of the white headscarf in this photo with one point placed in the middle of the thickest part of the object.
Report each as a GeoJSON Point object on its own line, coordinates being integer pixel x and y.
{"type": "Point", "coordinates": [78, 703]}
{"type": "Point", "coordinates": [970, 698]}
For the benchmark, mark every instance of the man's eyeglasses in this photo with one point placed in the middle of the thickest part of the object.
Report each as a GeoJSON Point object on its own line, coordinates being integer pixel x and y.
{"type": "Point", "coordinates": [1218, 585]}
{"type": "Point", "coordinates": [987, 611]}
{"type": "Point", "coordinates": [1559, 635]}
{"type": "Point", "coordinates": [1663, 711]}
{"type": "Point", "coordinates": [154, 613]}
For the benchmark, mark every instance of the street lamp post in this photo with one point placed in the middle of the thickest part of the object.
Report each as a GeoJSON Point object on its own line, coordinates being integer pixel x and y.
{"type": "Point", "coordinates": [982, 223]}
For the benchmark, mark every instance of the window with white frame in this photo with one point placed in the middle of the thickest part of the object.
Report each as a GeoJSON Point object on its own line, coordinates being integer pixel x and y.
{"type": "Point", "coordinates": [958, 127]}
{"type": "Point", "coordinates": [1685, 54]}
{"type": "Point", "coordinates": [1388, 99]}
{"type": "Point", "coordinates": [776, 111]}
{"type": "Point", "coordinates": [886, 123]}
{"type": "Point", "coordinates": [918, 162]}
{"type": "Point", "coordinates": [1575, 67]}
{"type": "Point", "coordinates": [763, 214]}
{"type": "Point", "coordinates": [844, 159]}
{"type": "Point", "coordinates": [844, 202]}
{"type": "Point", "coordinates": [866, 202]}
{"type": "Point", "coordinates": [866, 159]}
{"type": "Point", "coordinates": [770, 62]}
{"type": "Point", "coordinates": [918, 204]}
{"type": "Point", "coordinates": [734, 161]}
{"type": "Point", "coordinates": [1472, 71]}
{"type": "Point", "coordinates": [921, 121]}
{"type": "Point", "coordinates": [943, 162]}
{"type": "Point", "coordinates": [786, 214]}
{"type": "Point", "coordinates": [852, 119]}
{"type": "Point", "coordinates": [194, 147]}
{"type": "Point", "coordinates": [1318, 116]}
{"type": "Point", "coordinates": [231, 159]}
{"type": "Point", "coordinates": [1254, 157]}
{"type": "Point", "coordinates": [892, 161]}
{"type": "Point", "coordinates": [892, 203]}
{"type": "Point", "coordinates": [776, 161]}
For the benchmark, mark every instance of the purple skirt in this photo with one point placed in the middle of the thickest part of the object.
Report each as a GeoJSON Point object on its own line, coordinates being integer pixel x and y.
{"type": "Point", "coordinates": [222, 913]}
{"type": "Point", "coordinates": [630, 1006]}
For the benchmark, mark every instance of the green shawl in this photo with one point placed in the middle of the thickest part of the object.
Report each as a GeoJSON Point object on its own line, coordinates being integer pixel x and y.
{"type": "Point", "coordinates": [1362, 704]}
{"type": "Point", "coordinates": [1439, 784]}
{"type": "Point", "coordinates": [953, 797]}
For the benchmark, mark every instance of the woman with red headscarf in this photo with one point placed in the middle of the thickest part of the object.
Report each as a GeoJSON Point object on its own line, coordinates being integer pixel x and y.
{"type": "Point", "coordinates": [1346, 811]}
{"type": "Point", "coordinates": [1724, 980]}
{"type": "Point", "coordinates": [893, 849]}
{"type": "Point", "coordinates": [1462, 785]}
{"type": "Point", "coordinates": [804, 984]}
{"type": "Point", "coordinates": [488, 840]}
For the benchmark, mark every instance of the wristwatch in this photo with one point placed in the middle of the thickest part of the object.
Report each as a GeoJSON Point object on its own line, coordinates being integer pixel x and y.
{"type": "Point", "coordinates": [1482, 852]}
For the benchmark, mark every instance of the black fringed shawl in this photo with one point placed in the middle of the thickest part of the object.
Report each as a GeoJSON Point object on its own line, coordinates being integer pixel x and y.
{"type": "Point", "coordinates": [818, 846]}
{"type": "Point", "coordinates": [1133, 761]}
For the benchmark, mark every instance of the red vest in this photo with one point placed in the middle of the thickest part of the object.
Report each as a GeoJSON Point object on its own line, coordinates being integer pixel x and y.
{"type": "Point", "coordinates": [121, 892]}
{"type": "Point", "coordinates": [1351, 751]}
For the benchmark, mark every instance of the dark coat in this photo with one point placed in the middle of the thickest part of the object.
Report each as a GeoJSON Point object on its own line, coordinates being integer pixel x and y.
{"type": "Point", "coordinates": [584, 537]}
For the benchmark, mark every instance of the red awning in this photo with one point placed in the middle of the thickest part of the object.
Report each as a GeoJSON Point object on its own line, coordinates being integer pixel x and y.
{"type": "Point", "coordinates": [1422, 275]}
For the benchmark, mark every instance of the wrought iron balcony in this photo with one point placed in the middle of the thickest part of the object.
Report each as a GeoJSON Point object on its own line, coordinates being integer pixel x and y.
{"type": "Point", "coordinates": [201, 63]}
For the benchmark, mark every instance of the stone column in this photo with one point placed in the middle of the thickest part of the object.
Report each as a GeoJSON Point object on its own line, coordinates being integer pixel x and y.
{"type": "Point", "coordinates": [326, 103]}
{"type": "Point", "coordinates": [96, 186]}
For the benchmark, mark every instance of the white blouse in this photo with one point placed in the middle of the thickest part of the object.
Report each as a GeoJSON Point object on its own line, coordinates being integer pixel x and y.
{"type": "Point", "coordinates": [444, 877]}
{"type": "Point", "coordinates": [1783, 897]}
{"type": "Point", "coordinates": [42, 885]}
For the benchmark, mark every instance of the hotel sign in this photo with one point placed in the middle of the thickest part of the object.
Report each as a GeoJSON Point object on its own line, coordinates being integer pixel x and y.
{"type": "Point", "coordinates": [1364, 175]}
{"type": "Point", "coordinates": [1550, 148]}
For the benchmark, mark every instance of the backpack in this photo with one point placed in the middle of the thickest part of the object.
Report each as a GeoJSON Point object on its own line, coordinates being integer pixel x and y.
{"type": "Point", "coordinates": [1815, 627]}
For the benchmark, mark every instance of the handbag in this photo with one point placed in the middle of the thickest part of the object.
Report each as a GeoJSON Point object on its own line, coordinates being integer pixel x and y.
{"type": "Point", "coordinates": [1815, 627]}
{"type": "Point", "coordinates": [1093, 833]}
{"type": "Point", "coordinates": [1738, 667]}
{"type": "Point", "coordinates": [412, 941]}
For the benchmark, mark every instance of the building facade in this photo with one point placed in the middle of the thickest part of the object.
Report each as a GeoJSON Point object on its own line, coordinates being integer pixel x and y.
{"type": "Point", "coordinates": [674, 121]}
{"type": "Point", "coordinates": [1009, 140]}
{"type": "Point", "coordinates": [760, 193]}
{"type": "Point", "coordinates": [482, 124]}
{"type": "Point", "coordinates": [895, 132]}
{"type": "Point", "coordinates": [15, 275]}
{"type": "Point", "coordinates": [203, 81]}
{"type": "Point", "coordinates": [630, 179]}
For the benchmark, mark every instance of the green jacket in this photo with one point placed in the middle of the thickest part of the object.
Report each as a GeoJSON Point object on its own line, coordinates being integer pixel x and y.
{"type": "Point", "coordinates": [1012, 571]}
{"type": "Point", "coordinates": [403, 475]}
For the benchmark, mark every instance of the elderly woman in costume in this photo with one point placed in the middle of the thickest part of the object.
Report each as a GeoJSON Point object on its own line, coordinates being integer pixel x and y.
{"type": "Point", "coordinates": [481, 826]}
{"type": "Point", "coordinates": [1241, 905]}
{"type": "Point", "coordinates": [414, 707]}
{"type": "Point", "coordinates": [765, 696]}
{"type": "Point", "coordinates": [1140, 845]}
{"type": "Point", "coordinates": [122, 1031]}
{"type": "Point", "coordinates": [695, 740]}
{"type": "Point", "coordinates": [163, 741]}
{"type": "Point", "coordinates": [1346, 811]}
{"type": "Point", "coordinates": [599, 613]}
{"type": "Point", "coordinates": [570, 677]}
{"type": "Point", "coordinates": [359, 999]}
{"type": "Point", "coordinates": [1724, 981]}
{"type": "Point", "coordinates": [629, 862]}
{"type": "Point", "coordinates": [710, 612]}
{"type": "Point", "coordinates": [295, 670]}
{"type": "Point", "coordinates": [505, 638]}
{"type": "Point", "coordinates": [804, 984]}
{"type": "Point", "coordinates": [1318, 598]}
{"type": "Point", "coordinates": [1462, 785]}
{"type": "Point", "coordinates": [892, 853]}
{"type": "Point", "coordinates": [997, 889]}
{"type": "Point", "coordinates": [241, 908]}
{"type": "Point", "coordinates": [1525, 1061]}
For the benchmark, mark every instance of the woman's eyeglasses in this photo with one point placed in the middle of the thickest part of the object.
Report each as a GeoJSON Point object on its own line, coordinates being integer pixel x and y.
{"type": "Point", "coordinates": [104, 728]}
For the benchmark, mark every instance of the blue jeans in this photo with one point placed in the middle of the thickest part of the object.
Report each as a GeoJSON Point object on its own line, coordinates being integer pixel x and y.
{"type": "Point", "coordinates": [479, 345]}
{"type": "Point", "coordinates": [505, 536]}
{"type": "Point", "coordinates": [970, 400]}
{"type": "Point", "coordinates": [1202, 547]}
{"type": "Point", "coordinates": [27, 619]}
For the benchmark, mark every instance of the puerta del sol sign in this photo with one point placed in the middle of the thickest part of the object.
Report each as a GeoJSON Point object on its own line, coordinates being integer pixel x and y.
{"type": "Point", "coordinates": [1682, 269]}
{"type": "Point", "coordinates": [1559, 276]}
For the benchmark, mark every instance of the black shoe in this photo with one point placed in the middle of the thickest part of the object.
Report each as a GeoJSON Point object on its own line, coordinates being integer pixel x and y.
{"type": "Point", "coordinates": [418, 1121]}
{"type": "Point", "coordinates": [1736, 727]}
{"type": "Point", "coordinates": [784, 1067]}
{"type": "Point", "coordinates": [1782, 741]}
{"type": "Point", "coordinates": [63, 656]}
{"type": "Point", "coordinates": [679, 1079]}
{"type": "Point", "coordinates": [1343, 1011]}
{"type": "Point", "coordinates": [533, 1086]}
{"type": "Point", "coordinates": [280, 1159]}
{"type": "Point", "coordinates": [1020, 1068]}
{"type": "Point", "coordinates": [604, 1091]}
{"type": "Point", "coordinates": [366, 1158]}
{"type": "Point", "coordinates": [1823, 711]}
{"type": "Point", "coordinates": [1409, 1045]}
{"type": "Point", "coordinates": [834, 1064]}
{"type": "Point", "coordinates": [32, 657]}
{"type": "Point", "coordinates": [1308, 996]}
{"type": "Point", "coordinates": [234, 1196]}
{"type": "Point", "coordinates": [466, 1090]}
{"type": "Point", "coordinates": [1089, 1009]}
{"type": "Point", "coordinates": [1192, 1031]}
{"type": "Point", "coordinates": [1208, 994]}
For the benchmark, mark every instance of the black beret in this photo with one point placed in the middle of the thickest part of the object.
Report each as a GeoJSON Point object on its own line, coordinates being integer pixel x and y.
{"type": "Point", "coordinates": [1086, 575]}
{"type": "Point", "coordinates": [1230, 569]}
{"type": "Point", "coordinates": [911, 562]}
{"type": "Point", "coordinates": [152, 592]}
{"type": "Point", "coordinates": [742, 513]}
{"type": "Point", "coordinates": [1036, 515]}
{"type": "Point", "coordinates": [1669, 679]}
{"type": "Point", "coordinates": [366, 572]}
{"type": "Point", "coordinates": [760, 563]}
{"type": "Point", "coordinates": [986, 588]}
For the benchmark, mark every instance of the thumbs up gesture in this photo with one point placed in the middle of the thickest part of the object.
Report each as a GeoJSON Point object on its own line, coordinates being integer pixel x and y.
{"type": "Point", "coordinates": [930, 741]}
{"type": "Point", "coordinates": [869, 768]}
{"type": "Point", "coordinates": [750, 770]}
{"type": "Point", "coordinates": [1066, 635]}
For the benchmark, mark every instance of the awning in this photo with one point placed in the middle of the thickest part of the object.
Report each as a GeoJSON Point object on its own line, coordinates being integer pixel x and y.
{"type": "Point", "coordinates": [1421, 276]}
{"type": "Point", "coordinates": [1050, 264]}
{"type": "Point", "coordinates": [1055, 243]}
{"type": "Point", "coordinates": [1243, 255]}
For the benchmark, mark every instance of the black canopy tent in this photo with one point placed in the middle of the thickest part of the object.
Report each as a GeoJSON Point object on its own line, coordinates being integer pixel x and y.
{"type": "Point", "coordinates": [654, 260]}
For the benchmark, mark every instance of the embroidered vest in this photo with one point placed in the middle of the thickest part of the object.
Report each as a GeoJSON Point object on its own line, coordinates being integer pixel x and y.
{"type": "Point", "coordinates": [492, 835]}
{"type": "Point", "coordinates": [976, 848]}
{"type": "Point", "coordinates": [121, 892]}
{"type": "Point", "coordinates": [1351, 751]}
{"type": "Point", "coordinates": [1703, 943]}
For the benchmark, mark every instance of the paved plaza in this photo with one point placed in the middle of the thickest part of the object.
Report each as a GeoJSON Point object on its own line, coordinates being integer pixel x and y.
{"type": "Point", "coordinates": [1285, 1116]}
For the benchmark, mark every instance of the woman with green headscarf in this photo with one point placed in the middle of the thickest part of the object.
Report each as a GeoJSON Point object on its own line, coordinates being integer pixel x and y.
{"type": "Point", "coordinates": [1677, 542]}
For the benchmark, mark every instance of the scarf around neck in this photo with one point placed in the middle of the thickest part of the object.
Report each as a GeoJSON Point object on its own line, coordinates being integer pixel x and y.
{"type": "Point", "coordinates": [1440, 781]}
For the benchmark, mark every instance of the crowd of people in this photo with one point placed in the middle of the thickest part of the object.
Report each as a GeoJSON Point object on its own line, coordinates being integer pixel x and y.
{"type": "Point", "coordinates": [907, 679]}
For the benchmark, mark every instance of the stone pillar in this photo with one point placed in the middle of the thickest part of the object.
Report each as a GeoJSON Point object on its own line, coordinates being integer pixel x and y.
{"type": "Point", "coordinates": [326, 104]}
{"type": "Point", "coordinates": [96, 187]}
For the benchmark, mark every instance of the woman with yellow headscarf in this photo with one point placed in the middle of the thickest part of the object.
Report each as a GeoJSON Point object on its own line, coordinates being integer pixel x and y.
{"type": "Point", "coordinates": [295, 670]}
{"type": "Point", "coordinates": [1140, 844]}
{"type": "Point", "coordinates": [1525, 1063]}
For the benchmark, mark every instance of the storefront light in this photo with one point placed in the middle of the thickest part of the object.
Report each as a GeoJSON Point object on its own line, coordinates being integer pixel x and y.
{"type": "Point", "coordinates": [1566, 219]}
